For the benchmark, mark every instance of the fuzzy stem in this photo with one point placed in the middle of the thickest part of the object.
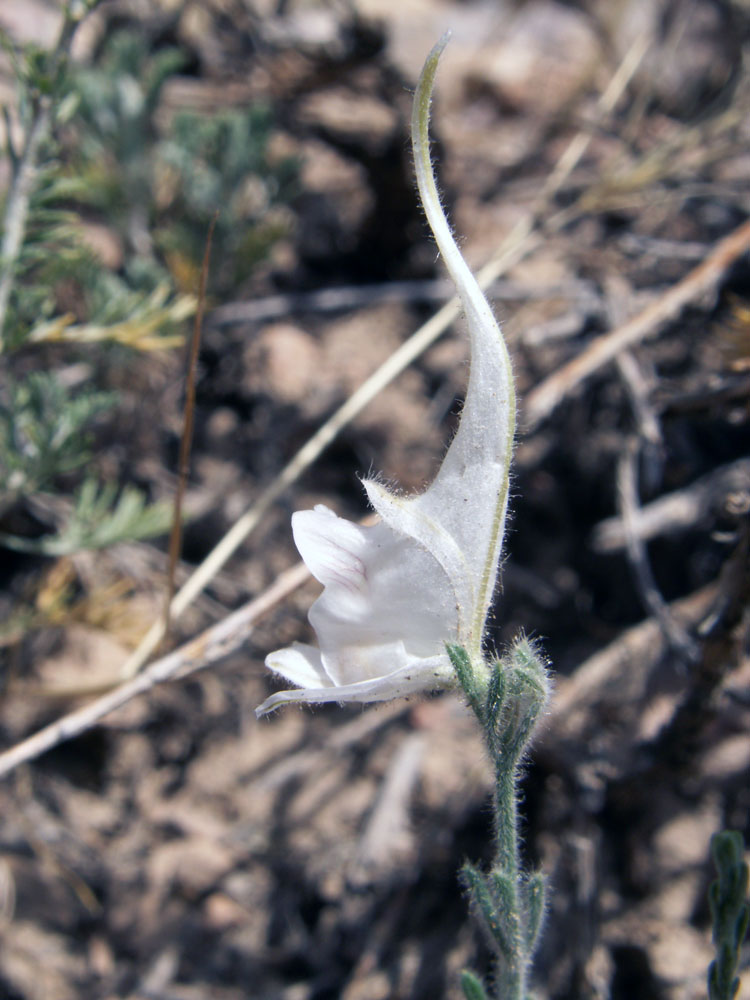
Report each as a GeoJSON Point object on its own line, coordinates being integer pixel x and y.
{"type": "Point", "coordinates": [506, 813]}
{"type": "Point", "coordinates": [507, 698]}
{"type": "Point", "coordinates": [513, 973]}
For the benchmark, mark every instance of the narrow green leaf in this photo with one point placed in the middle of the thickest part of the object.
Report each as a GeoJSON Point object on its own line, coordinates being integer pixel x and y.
{"type": "Point", "coordinates": [534, 895]}
{"type": "Point", "coordinates": [727, 849]}
{"type": "Point", "coordinates": [495, 703]}
{"type": "Point", "coordinates": [99, 518]}
{"type": "Point", "coordinates": [461, 662]}
{"type": "Point", "coordinates": [730, 913]}
{"type": "Point", "coordinates": [472, 986]}
{"type": "Point", "coordinates": [491, 915]}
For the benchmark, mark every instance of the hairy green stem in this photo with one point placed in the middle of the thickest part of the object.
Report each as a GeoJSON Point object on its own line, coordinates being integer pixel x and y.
{"type": "Point", "coordinates": [512, 973]}
{"type": "Point", "coordinates": [506, 816]}
{"type": "Point", "coordinates": [508, 902]}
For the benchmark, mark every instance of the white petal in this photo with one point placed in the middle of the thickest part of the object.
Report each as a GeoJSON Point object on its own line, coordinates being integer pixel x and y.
{"type": "Point", "coordinates": [426, 675]}
{"type": "Point", "coordinates": [407, 517]}
{"type": "Point", "coordinates": [300, 664]}
{"type": "Point", "coordinates": [330, 545]}
{"type": "Point", "coordinates": [407, 612]}
{"type": "Point", "coordinates": [333, 550]}
{"type": "Point", "coordinates": [386, 600]}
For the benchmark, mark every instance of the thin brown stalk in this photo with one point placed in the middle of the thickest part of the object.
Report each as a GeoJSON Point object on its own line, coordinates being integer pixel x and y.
{"type": "Point", "coordinates": [186, 441]}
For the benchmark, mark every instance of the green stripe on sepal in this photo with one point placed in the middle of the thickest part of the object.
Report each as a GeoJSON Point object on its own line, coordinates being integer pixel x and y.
{"type": "Point", "coordinates": [495, 704]}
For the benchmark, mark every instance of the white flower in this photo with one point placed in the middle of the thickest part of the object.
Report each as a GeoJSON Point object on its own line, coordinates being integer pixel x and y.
{"type": "Point", "coordinates": [396, 592]}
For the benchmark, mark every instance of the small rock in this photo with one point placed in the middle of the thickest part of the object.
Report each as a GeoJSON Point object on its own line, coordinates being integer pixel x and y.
{"type": "Point", "coordinates": [284, 362]}
{"type": "Point", "coordinates": [539, 60]}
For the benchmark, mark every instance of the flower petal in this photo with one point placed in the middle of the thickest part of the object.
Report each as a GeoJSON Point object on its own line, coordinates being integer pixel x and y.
{"type": "Point", "coordinates": [386, 601]}
{"type": "Point", "coordinates": [333, 550]}
{"type": "Point", "coordinates": [301, 664]}
{"type": "Point", "coordinates": [431, 674]}
{"type": "Point", "coordinates": [407, 517]}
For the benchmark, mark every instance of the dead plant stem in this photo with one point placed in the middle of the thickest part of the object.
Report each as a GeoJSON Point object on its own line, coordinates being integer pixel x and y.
{"type": "Point", "coordinates": [216, 643]}
{"type": "Point", "coordinates": [175, 538]}
{"type": "Point", "coordinates": [548, 395]}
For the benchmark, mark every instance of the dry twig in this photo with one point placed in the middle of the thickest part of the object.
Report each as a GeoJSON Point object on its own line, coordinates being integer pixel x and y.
{"type": "Point", "coordinates": [675, 511]}
{"type": "Point", "coordinates": [349, 297]}
{"type": "Point", "coordinates": [600, 677]}
{"type": "Point", "coordinates": [627, 499]}
{"type": "Point", "coordinates": [542, 401]}
{"type": "Point", "coordinates": [208, 648]}
{"type": "Point", "coordinates": [387, 832]}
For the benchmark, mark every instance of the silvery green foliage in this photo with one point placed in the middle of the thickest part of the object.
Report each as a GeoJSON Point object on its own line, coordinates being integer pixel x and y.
{"type": "Point", "coordinates": [42, 432]}
{"type": "Point", "coordinates": [395, 593]}
{"type": "Point", "coordinates": [730, 913]}
{"type": "Point", "coordinates": [101, 515]}
{"type": "Point", "coordinates": [160, 186]}
{"type": "Point", "coordinates": [46, 428]}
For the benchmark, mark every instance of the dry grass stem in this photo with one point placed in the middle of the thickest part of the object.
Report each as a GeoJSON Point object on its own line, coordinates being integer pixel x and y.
{"type": "Point", "coordinates": [175, 538]}
{"type": "Point", "coordinates": [651, 598]}
{"type": "Point", "coordinates": [542, 401]}
{"type": "Point", "coordinates": [209, 647]}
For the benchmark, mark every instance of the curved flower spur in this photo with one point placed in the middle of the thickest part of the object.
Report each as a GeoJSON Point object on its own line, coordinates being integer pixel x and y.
{"type": "Point", "coordinates": [397, 592]}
